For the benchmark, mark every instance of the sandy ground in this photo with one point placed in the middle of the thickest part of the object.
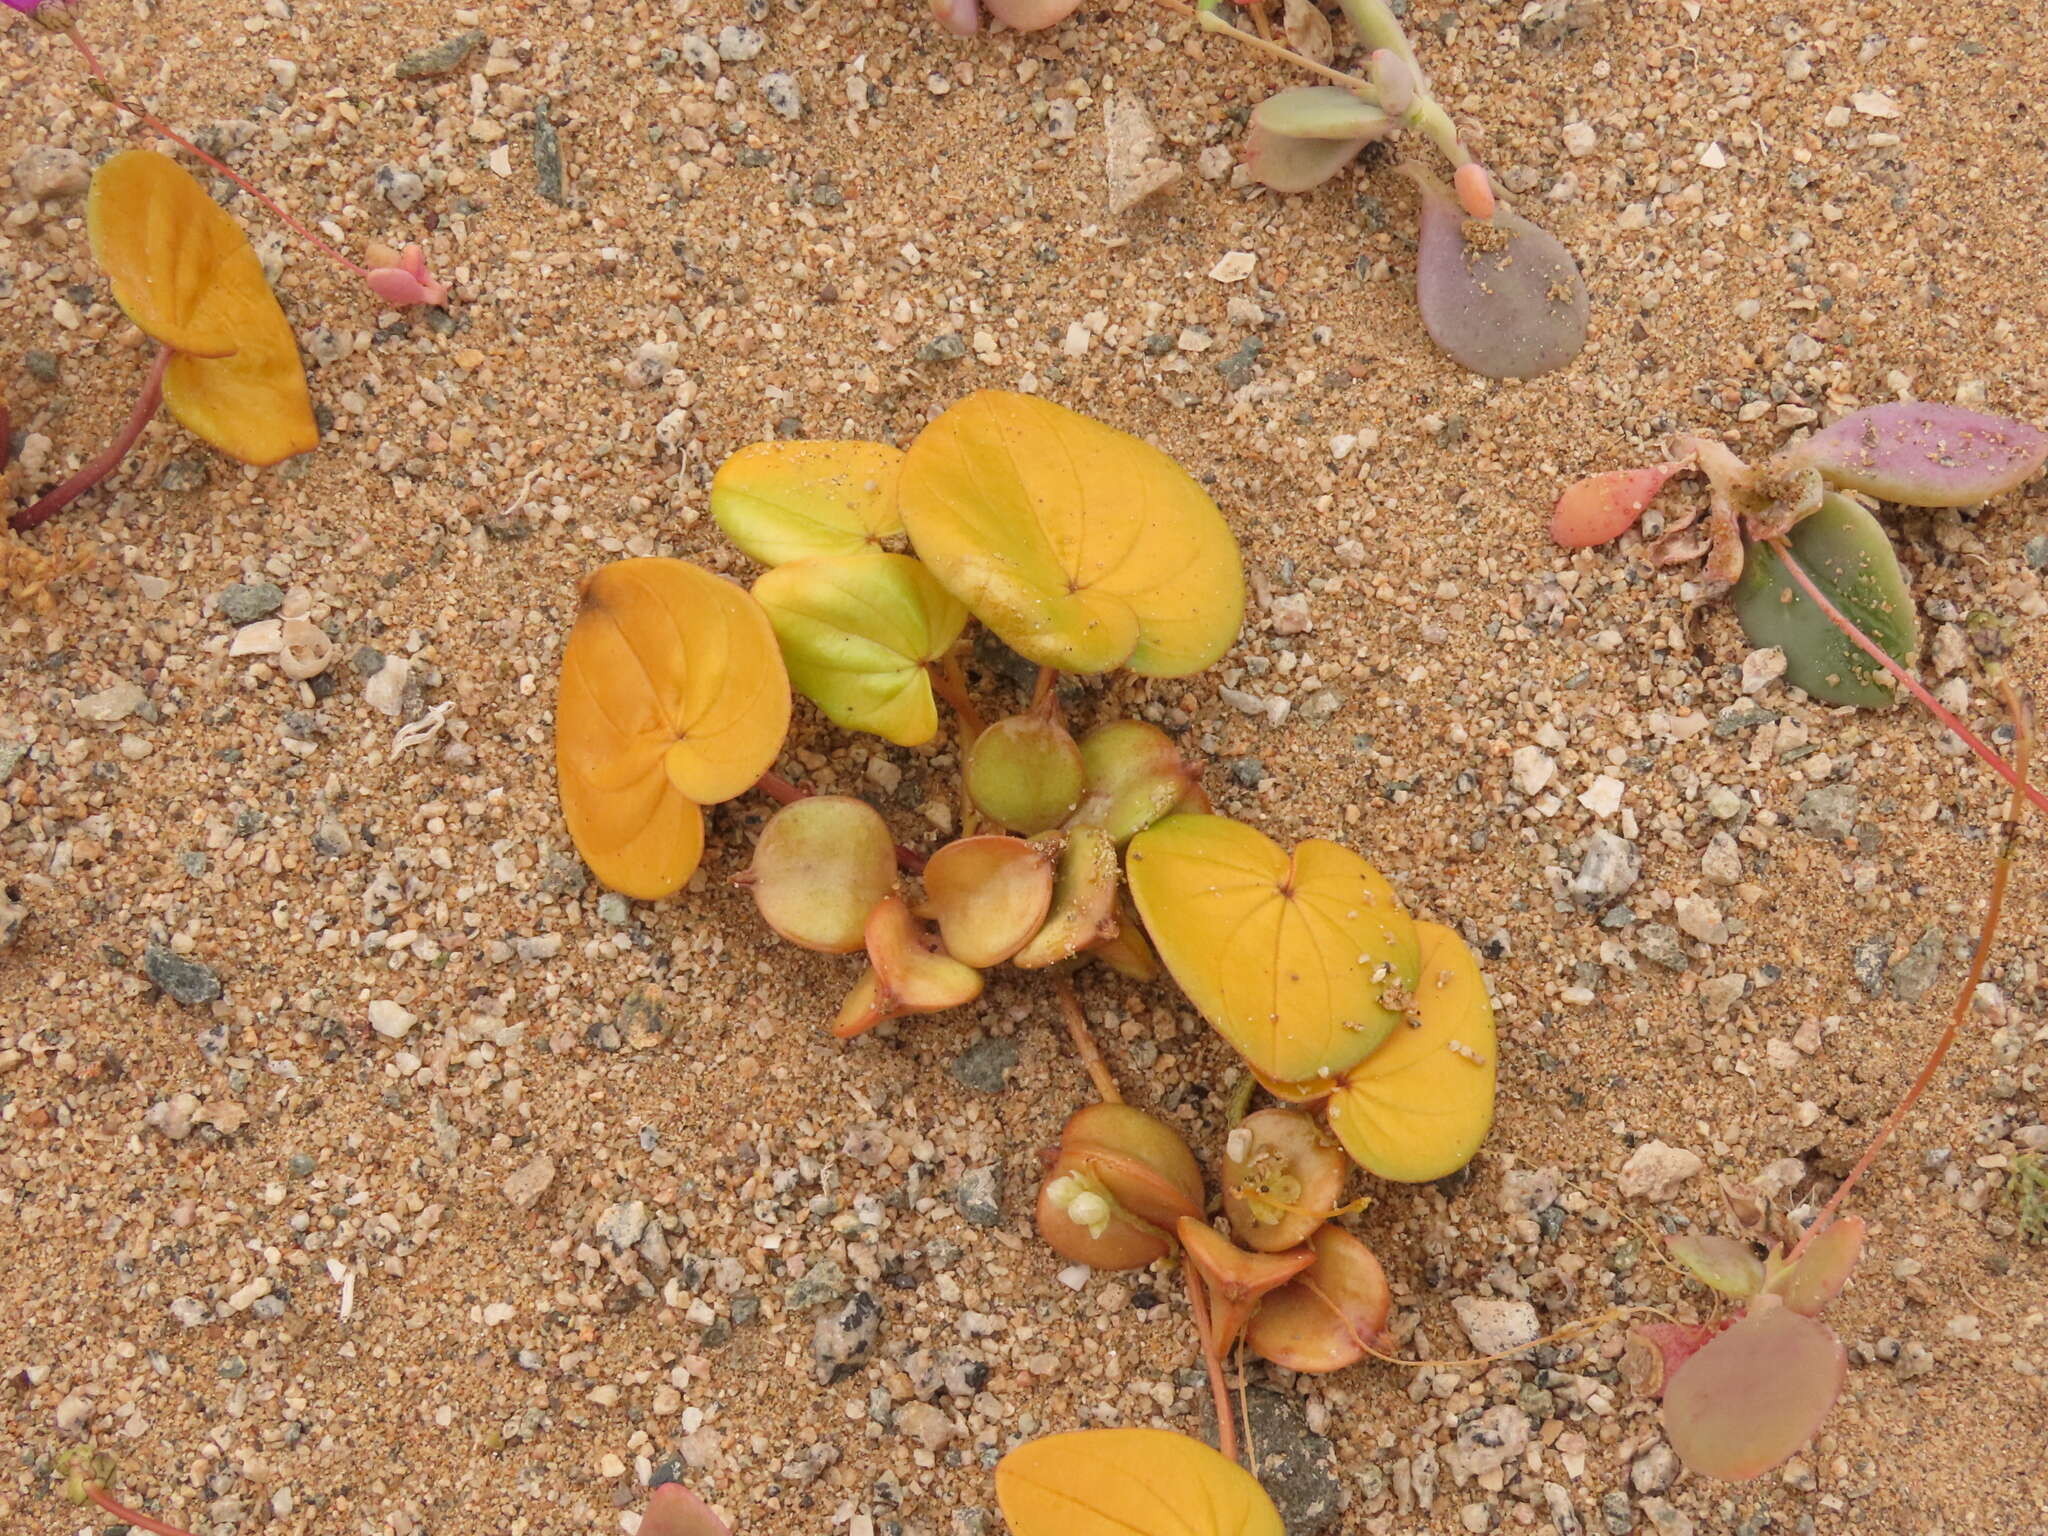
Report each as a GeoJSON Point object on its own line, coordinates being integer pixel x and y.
{"type": "Point", "coordinates": [302, 1300]}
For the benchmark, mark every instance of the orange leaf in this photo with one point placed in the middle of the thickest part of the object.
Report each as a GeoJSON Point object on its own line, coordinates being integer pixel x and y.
{"type": "Point", "coordinates": [1129, 1482]}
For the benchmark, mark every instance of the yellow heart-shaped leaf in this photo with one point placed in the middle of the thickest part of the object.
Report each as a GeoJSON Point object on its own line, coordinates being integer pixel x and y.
{"type": "Point", "coordinates": [1129, 1482]}
{"type": "Point", "coordinates": [1081, 546]}
{"type": "Point", "coordinates": [796, 501]}
{"type": "Point", "coordinates": [183, 270]}
{"type": "Point", "coordinates": [673, 696]}
{"type": "Point", "coordinates": [856, 631]}
{"type": "Point", "coordinates": [1288, 956]}
{"type": "Point", "coordinates": [1418, 1107]}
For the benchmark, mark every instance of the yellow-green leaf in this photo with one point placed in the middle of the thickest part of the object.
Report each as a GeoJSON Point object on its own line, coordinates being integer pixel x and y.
{"type": "Point", "coordinates": [184, 272]}
{"type": "Point", "coordinates": [1129, 1482]}
{"type": "Point", "coordinates": [856, 631]}
{"type": "Point", "coordinates": [1418, 1107]}
{"type": "Point", "coordinates": [1083, 547]}
{"type": "Point", "coordinates": [673, 696]}
{"type": "Point", "coordinates": [1288, 956]}
{"type": "Point", "coordinates": [795, 501]}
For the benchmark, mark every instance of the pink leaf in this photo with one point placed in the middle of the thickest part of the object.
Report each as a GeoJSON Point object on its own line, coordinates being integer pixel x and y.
{"type": "Point", "coordinates": [1604, 507]}
{"type": "Point", "coordinates": [672, 1510]}
{"type": "Point", "coordinates": [1755, 1395]}
{"type": "Point", "coordinates": [1657, 1350]}
{"type": "Point", "coordinates": [1924, 455]}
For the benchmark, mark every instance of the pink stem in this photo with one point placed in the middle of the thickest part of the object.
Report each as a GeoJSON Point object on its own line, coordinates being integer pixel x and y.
{"type": "Point", "coordinates": [110, 457]}
{"type": "Point", "coordinates": [134, 1517]}
{"type": "Point", "coordinates": [98, 73]}
{"type": "Point", "coordinates": [1906, 679]}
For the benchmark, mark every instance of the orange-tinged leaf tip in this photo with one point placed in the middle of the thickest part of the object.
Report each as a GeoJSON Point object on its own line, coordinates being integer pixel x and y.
{"type": "Point", "coordinates": [1129, 1482]}
{"type": "Point", "coordinates": [1605, 506]}
{"type": "Point", "coordinates": [798, 501]}
{"type": "Point", "coordinates": [1419, 1106]}
{"type": "Point", "coordinates": [915, 975]}
{"type": "Point", "coordinates": [1819, 1273]}
{"type": "Point", "coordinates": [1299, 961]}
{"type": "Point", "coordinates": [1083, 547]}
{"type": "Point", "coordinates": [1083, 911]}
{"type": "Point", "coordinates": [672, 696]}
{"type": "Point", "coordinates": [1239, 1273]}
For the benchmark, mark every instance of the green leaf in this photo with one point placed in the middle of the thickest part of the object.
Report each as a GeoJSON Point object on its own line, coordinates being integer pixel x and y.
{"type": "Point", "coordinates": [797, 501]}
{"type": "Point", "coordinates": [1845, 551]}
{"type": "Point", "coordinates": [856, 632]}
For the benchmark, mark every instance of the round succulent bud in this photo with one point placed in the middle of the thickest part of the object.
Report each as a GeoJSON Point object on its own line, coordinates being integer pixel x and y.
{"type": "Point", "coordinates": [1119, 1182]}
{"type": "Point", "coordinates": [821, 866]}
{"type": "Point", "coordinates": [1025, 773]}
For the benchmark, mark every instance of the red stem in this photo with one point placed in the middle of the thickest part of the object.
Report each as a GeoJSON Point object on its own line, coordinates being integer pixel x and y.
{"type": "Point", "coordinates": [98, 73]}
{"type": "Point", "coordinates": [2000, 877]}
{"type": "Point", "coordinates": [1906, 679]}
{"type": "Point", "coordinates": [134, 1517]}
{"type": "Point", "coordinates": [783, 792]}
{"type": "Point", "coordinates": [1219, 1391]}
{"type": "Point", "coordinates": [110, 457]}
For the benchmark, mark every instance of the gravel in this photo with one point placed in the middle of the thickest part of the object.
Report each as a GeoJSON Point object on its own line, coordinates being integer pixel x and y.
{"type": "Point", "coordinates": [843, 1339]}
{"type": "Point", "coordinates": [247, 601]}
{"type": "Point", "coordinates": [984, 1065]}
{"type": "Point", "coordinates": [182, 980]}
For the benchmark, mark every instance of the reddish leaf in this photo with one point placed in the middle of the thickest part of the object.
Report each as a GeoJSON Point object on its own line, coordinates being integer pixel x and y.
{"type": "Point", "coordinates": [1755, 1395]}
{"type": "Point", "coordinates": [1925, 455]}
{"type": "Point", "coordinates": [1501, 296]}
{"type": "Point", "coordinates": [1604, 507]}
{"type": "Point", "coordinates": [1656, 1351]}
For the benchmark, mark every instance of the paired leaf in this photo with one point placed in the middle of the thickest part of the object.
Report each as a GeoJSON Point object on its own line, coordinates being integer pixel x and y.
{"type": "Point", "coordinates": [1134, 776]}
{"type": "Point", "coordinates": [1236, 1279]}
{"type": "Point", "coordinates": [1755, 1394]}
{"type": "Point", "coordinates": [856, 632]}
{"type": "Point", "coordinates": [1331, 1314]}
{"type": "Point", "coordinates": [1282, 1178]}
{"type": "Point", "coordinates": [1301, 138]}
{"type": "Point", "coordinates": [1418, 1107]}
{"type": "Point", "coordinates": [673, 695]}
{"type": "Point", "coordinates": [1129, 1482]}
{"type": "Point", "coordinates": [1290, 957]}
{"type": "Point", "coordinates": [1501, 296]}
{"type": "Point", "coordinates": [800, 501]}
{"type": "Point", "coordinates": [184, 271]}
{"type": "Point", "coordinates": [989, 895]}
{"type": "Point", "coordinates": [908, 973]}
{"type": "Point", "coordinates": [1604, 507]}
{"type": "Point", "coordinates": [1818, 1275]}
{"type": "Point", "coordinates": [1724, 1263]}
{"type": "Point", "coordinates": [1925, 455]}
{"type": "Point", "coordinates": [1119, 1182]}
{"type": "Point", "coordinates": [1845, 551]}
{"type": "Point", "coordinates": [818, 870]}
{"type": "Point", "coordinates": [1025, 773]}
{"type": "Point", "coordinates": [1082, 547]}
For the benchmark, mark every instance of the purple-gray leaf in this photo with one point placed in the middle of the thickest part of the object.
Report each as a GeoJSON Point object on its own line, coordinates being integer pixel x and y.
{"type": "Point", "coordinates": [1501, 296]}
{"type": "Point", "coordinates": [1296, 165]}
{"type": "Point", "coordinates": [1926, 455]}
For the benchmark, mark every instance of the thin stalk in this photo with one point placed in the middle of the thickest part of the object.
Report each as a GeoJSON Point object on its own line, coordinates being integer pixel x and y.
{"type": "Point", "coordinates": [1378, 27]}
{"type": "Point", "coordinates": [109, 460]}
{"type": "Point", "coordinates": [783, 792]}
{"type": "Point", "coordinates": [1906, 679]}
{"type": "Point", "coordinates": [2001, 875]}
{"type": "Point", "coordinates": [950, 684]}
{"type": "Point", "coordinates": [106, 86]}
{"type": "Point", "coordinates": [1219, 1389]}
{"type": "Point", "coordinates": [1208, 21]}
{"type": "Point", "coordinates": [134, 1517]}
{"type": "Point", "coordinates": [1084, 1041]}
{"type": "Point", "coordinates": [1042, 687]}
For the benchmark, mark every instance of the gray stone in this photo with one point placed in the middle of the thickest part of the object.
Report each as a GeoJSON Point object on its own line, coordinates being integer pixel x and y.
{"type": "Point", "coordinates": [182, 475]}
{"type": "Point", "coordinates": [247, 601]}
{"type": "Point", "coordinates": [643, 1022]}
{"type": "Point", "coordinates": [1868, 960]}
{"type": "Point", "coordinates": [547, 155]}
{"type": "Point", "coordinates": [1607, 872]}
{"type": "Point", "coordinates": [952, 1371]}
{"type": "Point", "coordinates": [1491, 1440]}
{"type": "Point", "coordinates": [1659, 944]}
{"type": "Point", "coordinates": [1616, 1514]}
{"type": "Point", "coordinates": [824, 1281]}
{"type": "Point", "coordinates": [1655, 1470]}
{"type": "Point", "coordinates": [1496, 1325]}
{"type": "Point", "coordinates": [980, 1198]}
{"type": "Point", "coordinates": [331, 839]}
{"type": "Point", "coordinates": [1667, 1519]}
{"type": "Point", "coordinates": [622, 1225]}
{"type": "Point", "coordinates": [13, 917]}
{"type": "Point", "coordinates": [1913, 974]}
{"type": "Point", "coordinates": [844, 1339]}
{"type": "Point", "coordinates": [11, 754]}
{"type": "Point", "coordinates": [700, 56]}
{"type": "Point", "coordinates": [444, 58]}
{"type": "Point", "coordinates": [183, 981]}
{"type": "Point", "coordinates": [779, 90]}
{"type": "Point", "coordinates": [948, 348]}
{"type": "Point", "coordinates": [401, 188]}
{"type": "Point", "coordinates": [984, 1064]}
{"type": "Point", "coordinates": [1242, 366]}
{"type": "Point", "coordinates": [739, 45]}
{"type": "Point", "coordinates": [1829, 811]}
{"type": "Point", "coordinates": [1295, 1465]}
